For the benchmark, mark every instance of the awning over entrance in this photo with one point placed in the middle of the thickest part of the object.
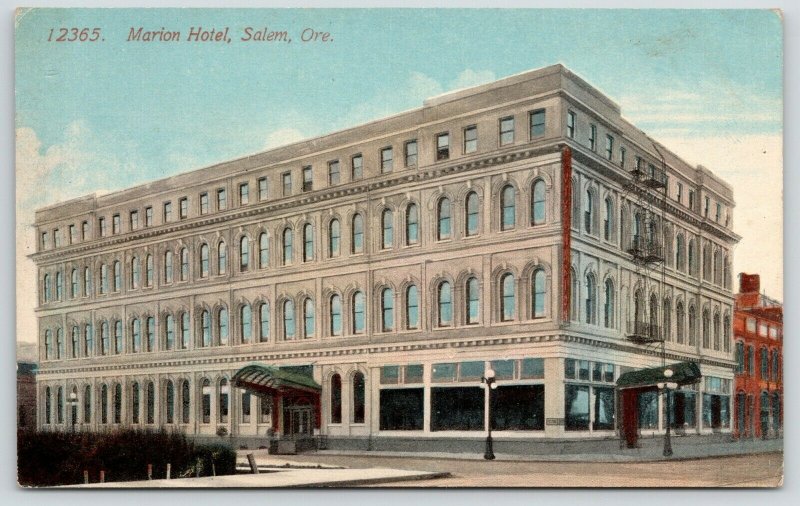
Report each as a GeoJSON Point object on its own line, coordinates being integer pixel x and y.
{"type": "Point", "coordinates": [272, 379]}
{"type": "Point", "coordinates": [683, 373]}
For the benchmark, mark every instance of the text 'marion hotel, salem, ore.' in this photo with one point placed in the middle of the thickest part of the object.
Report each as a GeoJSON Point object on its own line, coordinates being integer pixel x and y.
{"type": "Point", "coordinates": [357, 286]}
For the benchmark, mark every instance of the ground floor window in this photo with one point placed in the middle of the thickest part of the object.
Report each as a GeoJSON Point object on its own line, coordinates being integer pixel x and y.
{"type": "Point", "coordinates": [518, 407]}
{"type": "Point", "coordinates": [684, 409]}
{"type": "Point", "coordinates": [776, 411]}
{"type": "Point", "coordinates": [401, 409]}
{"type": "Point", "coordinates": [648, 410]}
{"type": "Point", "coordinates": [716, 411]}
{"type": "Point", "coordinates": [245, 407]}
{"type": "Point", "coordinates": [265, 410]}
{"type": "Point", "coordinates": [457, 408]}
{"type": "Point", "coordinates": [603, 408]}
{"type": "Point", "coordinates": [576, 407]}
{"type": "Point", "coordinates": [741, 407]}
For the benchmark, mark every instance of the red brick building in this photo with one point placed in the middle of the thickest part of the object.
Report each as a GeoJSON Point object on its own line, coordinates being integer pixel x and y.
{"type": "Point", "coordinates": [758, 333]}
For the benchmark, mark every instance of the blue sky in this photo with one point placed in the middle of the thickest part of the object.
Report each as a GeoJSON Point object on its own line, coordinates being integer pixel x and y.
{"type": "Point", "coordinates": [104, 116]}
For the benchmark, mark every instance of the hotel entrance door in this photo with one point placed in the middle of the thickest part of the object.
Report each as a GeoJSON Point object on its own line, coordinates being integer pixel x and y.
{"type": "Point", "coordinates": [297, 422]}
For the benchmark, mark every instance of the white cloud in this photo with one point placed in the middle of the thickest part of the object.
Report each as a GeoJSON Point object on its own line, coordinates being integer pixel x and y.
{"type": "Point", "coordinates": [283, 136]}
{"type": "Point", "coordinates": [469, 78]}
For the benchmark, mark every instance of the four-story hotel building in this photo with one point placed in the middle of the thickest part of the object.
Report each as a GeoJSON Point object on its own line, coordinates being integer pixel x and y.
{"type": "Point", "coordinates": [358, 286]}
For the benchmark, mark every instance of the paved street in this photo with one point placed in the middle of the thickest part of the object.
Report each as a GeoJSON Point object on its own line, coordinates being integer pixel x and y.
{"type": "Point", "coordinates": [762, 470]}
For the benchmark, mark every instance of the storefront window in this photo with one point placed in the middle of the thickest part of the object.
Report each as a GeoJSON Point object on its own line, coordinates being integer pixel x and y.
{"type": "Point", "coordinates": [459, 408]}
{"type": "Point", "coordinates": [401, 409]}
{"type": "Point", "coordinates": [518, 407]}
{"type": "Point", "coordinates": [576, 407]}
{"type": "Point", "coordinates": [603, 408]}
{"type": "Point", "coordinates": [648, 410]}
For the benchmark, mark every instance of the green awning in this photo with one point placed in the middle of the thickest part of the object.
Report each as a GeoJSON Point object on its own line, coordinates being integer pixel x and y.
{"type": "Point", "coordinates": [683, 373]}
{"type": "Point", "coordinates": [273, 379]}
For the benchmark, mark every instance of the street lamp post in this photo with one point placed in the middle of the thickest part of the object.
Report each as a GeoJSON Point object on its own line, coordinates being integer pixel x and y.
{"type": "Point", "coordinates": [491, 384]}
{"type": "Point", "coordinates": [666, 387]}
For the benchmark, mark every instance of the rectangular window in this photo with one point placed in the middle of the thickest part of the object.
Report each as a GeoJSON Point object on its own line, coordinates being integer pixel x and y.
{"type": "Point", "coordinates": [751, 325]}
{"type": "Point", "coordinates": [357, 167]}
{"type": "Point", "coordinates": [204, 203]}
{"type": "Point", "coordinates": [103, 226]}
{"type": "Point", "coordinates": [518, 407]}
{"type": "Point", "coordinates": [167, 212]}
{"type": "Point", "coordinates": [286, 179]}
{"type": "Point", "coordinates": [148, 216]}
{"type": "Point", "coordinates": [459, 408]}
{"type": "Point", "coordinates": [609, 147]}
{"type": "Point", "coordinates": [57, 238]}
{"type": "Point", "coordinates": [308, 179]}
{"type": "Point", "coordinates": [622, 157]}
{"type": "Point", "coordinates": [443, 146]}
{"type": "Point", "coordinates": [576, 407]}
{"type": "Point", "coordinates": [401, 409]}
{"type": "Point", "coordinates": [691, 200]}
{"type": "Point", "coordinates": [706, 207]}
{"type": "Point", "coordinates": [532, 368]}
{"type": "Point", "coordinates": [386, 160]}
{"type": "Point", "coordinates": [679, 193]}
{"type": "Point", "coordinates": [184, 206]}
{"type": "Point", "coordinates": [333, 172]}
{"type": "Point", "coordinates": [571, 125]}
{"type": "Point", "coordinates": [222, 199]}
{"type": "Point", "coordinates": [411, 153]}
{"type": "Point", "coordinates": [116, 224]}
{"type": "Point", "coordinates": [470, 139]}
{"type": "Point", "coordinates": [413, 374]}
{"type": "Point", "coordinates": [442, 373]}
{"type": "Point", "coordinates": [603, 408]}
{"type": "Point", "coordinates": [503, 369]}
{"type": "Point", "coordinates": [506, 130]}
{"type": "Point", "coordinates": [262, 188]}
{"type": "Point", "coordinates": [73, 234]}
{"type": "Point", "coordinates": [390, 375]}
{"type": "Point", "coordinates": [244, 194]}
{"type": "Point", "coordinates": [45, 242]}
{"type": "Point", "coordinates": [592, 137]}
{"type": "Point", "coordinates": [134, 220]}
{"type": "Point", "coordinates": [537, 123]}
{"type": "Point", "coordinates": [718, 213]}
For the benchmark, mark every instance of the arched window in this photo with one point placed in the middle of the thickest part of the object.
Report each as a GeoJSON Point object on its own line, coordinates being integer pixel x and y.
{"type": "Point", "coordinates": [726, 272]}
{"type": "Point", "coordinates": [148, 276]}
{"type": "Point", "coordinates": [386, 229]}
{"type": "Point", "coordinates": [104, 340]}
{"type": "Point", "coordinates": [653, 327]}
{"type": "Point", "coordinates": [264, 322]}
{"type": "Point", "coordinates": [205, 402]}
{"type": "Point", "coordinates": [224, 395]}
{"type": "Point", "coordinates": [135, 275]}
{"type": "Point", "coordinates": [104, 404]}
{"type": "Point", "coordinates": [287, 246]}
{"type": "Point", "coordinates": [244, 254]}
{"type": "Point", "coordinates": [538, 209]}
{"type": "Point", "coordinates": [204, 260]}
{"type": "Point", "coordinates": [73, 290]}
{"type": "Point", "coordinates": [692, 326]}
{"type": "Point", "coordinates": [118, 337]}
{"type": "Point", "coordinates": [88, 340]}
{"type": "Point", "coordinates": [574, 288]}
{"type": "Point", "coordinates": [667, 319]}
{"type": "Point", "coordinates": [764, 355]}
{"type": "Point", "coordinates": [717, 268]}
{"type": "Point", "coordinates": [308, 318]}
{"type": "Point", "coordinates": [716, 331]}
{"type": "Point", "coordinates": [691, 256]}
{"type": "Point", "coordinates": [288, 320]}
{"type": "Point", "coordinates": [680, 264]}
{"type": "Point", "coordinates": [508, 207]}
{"type": "Point", "coordinates": [336, 399]}
{"type": "Point", "coordinates": [387, 310]}
{"type": "Point", "coordinates": [445, 301]}
{"type": "Point", "coordinates": [638, 310]}
{"type": "Point", "coordinates": [706, 263]}
{"type": "Point", "coordinates": [185, 326]}
{"type": "Point", "coordinates": [87, 281]}
{"type": "Point", "coordinates": [246, 323]}
{"type": "Point", "coordinates": [608, 220]}
{"type": "Point", "coordinates": [59, 344]}
{"type": "Point", "coordinates": [706, 330]}
{"type": "Point", "coordinates": [205, 328]}
{"type": "Point", "coordinates": [308, 243]}
{"type": "Point", "coordinates": [608, 309]}
{"type": "Point", "coordinates": [473, 301]}
{"type": "Point", "coordinates": [87, 404]}
{"type": "Point", "coordinates": [412, 224]}
{"type": "Point", "coordinates": [118, 403]}
{"type": "Point", "coordinates": [170, 398]}
{"type": "Point", "coordinates": [60, 405]}
{"type": "Point", "coordinates": [135, 403]}
{"type": "Point", "coordinates": [412, 307]}
{"type": "Point", "coordinates": [680, 322]}
{"type": "Point", "coordinates": [222, 326]}
{"type": "Point", "coordinates": [357, 240]}
{"type": "Point", "coordinates": [48, 419]}
{"type": "Point", "coordinates": [136, 335]}
{"type": "Point", "coordinates": [169, 336]}
{"type": "Point", "coordinates": [76, 346]}
{"type": "Point", "coordinates": [184, 264]}
{"type": "Point", "coordinates": [591, 299]}
{"type": "Point", "coordinates": [47, 295]}
{"type": "Point", "coordinates": [473, 214]}
{"type": "Point", "coordinates": [151, 333]}
{"type": "Point", "coordinates": [443, 219]}
{"type": "Point", "coordinates": [263, 250]}
{"type": "Point", "coordinates": [507, 302]}
{"type": "Point", "coordinates": [359, 303]}
{"type": "Point", "coordinates": [151, 403]}
{"type": "Point", "coordinates": [117, 277]}
{"type": "Point", "coordinates": [359, 397]}
{"type": "Point", "coordinates": [334, 238]}
{"type": "Point", "coordinates": [335, 315]}
{"type": "Point", "coordinates": [775, 365]}
{"type": "Point", "coordinates": [222, 258]}
{"type": "Point", "coordinates": [168, 267]}
{"type": "Point", "coordinates": [103, 281]}
{"type": "Point", "coordinates": [60, 284]}
{"type": "Point", "coordinates": [588, 212]}
{"type": "Point", "coordinates": [185, 401]}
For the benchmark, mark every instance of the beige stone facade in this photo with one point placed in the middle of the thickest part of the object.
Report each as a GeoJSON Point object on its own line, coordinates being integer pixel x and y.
{"type": "Point", "coordinates": [148, 255]}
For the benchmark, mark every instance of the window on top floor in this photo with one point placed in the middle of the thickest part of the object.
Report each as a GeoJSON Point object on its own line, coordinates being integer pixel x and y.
{"type": "Point", "coordinates": [750, 324]}
{"type": "Point", "coordinates": [308, 179]}
{"type": "Point", "coordinates": [333, 172]}
{"type": "Point", "coordinates": [103, 226]}
{"type": "Point", "coordinates": [116, 224]}
{"type": "Point", "coordinates": [592, 137]}
{"type": "Point", "coordinates": [609, 147]}
{"type": "Point", "coordinates": [244, 194]}
{"type": "Point", "coordinates": [167, 212]}
{"type": "Point", "coordinates": [386, 160]}
{"type": "Point", "coordinates": [679, 193]}
{"type": "Point", "coordinates": [762, 330]}
{"type": "Point", "coordinates": [184, 207]}
{"type": "Point", "coordinates": [57, 238]}
{"type": "Point", "coordinates": [443, 146]}
{"type": "Point", "coordinates": [73, 234]}
{"type": "Point", "coordinates": [134, 220]}
{"type": "Point", "coordinates": [411, 153]}
{"type": "Point", "coordinates": [691, 200]}
{"type": "Point", "coordinates": [706, 207]}
{"type": "Point", "coordinates": [718, 214]}
{"type": "Point", "coordinates": [203, 203]}
{"type": "Point", "coordinates": [85, 231]}
{"type": "Point", "coordinates": [537, 123]}
{"type": "Point", "coordinates": [45, 241]}
{"type": "Point", "coordinates": [148, 216]}
{"type": "Point", "coordinates": [286, 179]}
{"type": "Point", "coordinates": [356, 167]}
{"type": "Point", "coordinates": [222, 199]}
{"type": "Point", "coordinates": [471, 139]}
{"type": "Point", "coordinates": [622, 157]}
{"type": "Point", "coordinates": [571, 124]}
{"type": "Point", "coordinates": [262, 189]}
{"type": "Point", "coordinates": [506, 130]}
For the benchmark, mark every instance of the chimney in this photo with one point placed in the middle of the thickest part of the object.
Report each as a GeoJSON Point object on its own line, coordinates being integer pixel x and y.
{"type": "Point", "coordinates": [749, 283]}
